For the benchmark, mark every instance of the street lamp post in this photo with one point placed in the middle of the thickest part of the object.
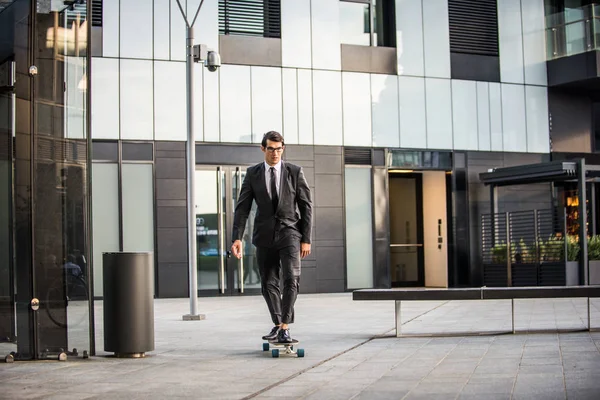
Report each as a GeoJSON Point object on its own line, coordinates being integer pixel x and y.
{"type": "Point", "coordinates": [212, 61]}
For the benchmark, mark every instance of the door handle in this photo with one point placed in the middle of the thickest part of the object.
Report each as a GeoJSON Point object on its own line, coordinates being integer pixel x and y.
{"type": "Point", "coordinates": [238, 173]}
{"type": "Point", "coordinates": [221, 230]}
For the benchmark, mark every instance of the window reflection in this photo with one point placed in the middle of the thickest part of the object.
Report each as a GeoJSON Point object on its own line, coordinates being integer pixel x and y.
{"type": "Point", "coordinates": [368, 22]}
{"type": "Point", "coordinates": [354, 23]}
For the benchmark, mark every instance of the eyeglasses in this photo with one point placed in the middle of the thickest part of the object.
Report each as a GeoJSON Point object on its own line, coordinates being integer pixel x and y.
{"type": "Point", "coordinates": [274, 149]}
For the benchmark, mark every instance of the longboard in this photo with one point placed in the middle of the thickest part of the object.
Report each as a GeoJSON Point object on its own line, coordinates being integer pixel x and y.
{"type": "Point", "coordinates": [287, 349]}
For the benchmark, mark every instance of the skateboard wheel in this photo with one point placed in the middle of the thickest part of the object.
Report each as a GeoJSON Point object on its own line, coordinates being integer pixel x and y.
{"type": "Point", "coordinates": [300, 352]}
{"type": "Point", "coordinates": [265, 346]}
{"type": "Point", "coordinates": [275, 353]}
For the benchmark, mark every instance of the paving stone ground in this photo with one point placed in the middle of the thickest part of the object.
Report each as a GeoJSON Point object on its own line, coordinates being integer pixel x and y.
{"type": "Point", "coordinates": [351, 353]}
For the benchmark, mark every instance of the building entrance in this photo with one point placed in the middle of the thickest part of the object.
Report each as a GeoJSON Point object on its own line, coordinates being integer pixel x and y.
{"type": "Point", "coordinates": [219, 272]}
{"type": "Point", "coordinates": [418, 229]}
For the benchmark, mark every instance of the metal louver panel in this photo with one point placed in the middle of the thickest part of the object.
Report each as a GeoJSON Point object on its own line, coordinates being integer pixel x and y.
{"type": "Point", "coordinates": [96, 12]}
{"type": "Point", "coordinates": [250, 18]}
{"type": "Point", "coordinates": [357, 156]}
{"type": "Point", "coordinates": [473, 27]}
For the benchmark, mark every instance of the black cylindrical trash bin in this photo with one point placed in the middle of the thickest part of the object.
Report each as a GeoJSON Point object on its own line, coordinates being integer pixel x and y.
{"type": "Point", "coordinates": [128, 303]}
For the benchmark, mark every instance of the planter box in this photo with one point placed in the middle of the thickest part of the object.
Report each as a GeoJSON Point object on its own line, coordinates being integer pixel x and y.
{"type": "Point", "coordinates": [594, 277]}
{"type": "Point", "coordinates": [524, 274]}
{"type": "Point", "coordinates": [495, 275]}
{"type": "Point", "coordinates": [572, 271]}
{"type": "Point", "coordinates": [552, 273]}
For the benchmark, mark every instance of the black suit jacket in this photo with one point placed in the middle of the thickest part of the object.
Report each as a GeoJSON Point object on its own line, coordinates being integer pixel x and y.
{"type": "Point", "coordinates": [294, 210]}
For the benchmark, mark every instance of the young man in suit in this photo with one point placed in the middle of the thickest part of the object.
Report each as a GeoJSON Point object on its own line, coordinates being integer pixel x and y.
{"type": "Point", "coordinates": [282, 229]}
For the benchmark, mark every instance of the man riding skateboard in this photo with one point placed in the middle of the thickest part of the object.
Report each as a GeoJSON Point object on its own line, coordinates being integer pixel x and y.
{"type": "Point", "coordinates": [282, 229]}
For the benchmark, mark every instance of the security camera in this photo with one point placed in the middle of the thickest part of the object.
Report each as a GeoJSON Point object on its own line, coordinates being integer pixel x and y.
{"type": "Point", "coordinates": [213, 61]}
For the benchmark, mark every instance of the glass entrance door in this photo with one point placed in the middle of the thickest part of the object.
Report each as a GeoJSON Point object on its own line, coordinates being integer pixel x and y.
{"type": "Point", "coordinates": [8, 321]}
{"type": "Point", "coordinates": [219, 273]}
{"type": "Point", "coordinates": [406, 230]}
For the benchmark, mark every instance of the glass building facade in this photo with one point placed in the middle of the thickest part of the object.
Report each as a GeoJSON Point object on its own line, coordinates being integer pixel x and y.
{"type": "Point", "coordinates": [44, 174]}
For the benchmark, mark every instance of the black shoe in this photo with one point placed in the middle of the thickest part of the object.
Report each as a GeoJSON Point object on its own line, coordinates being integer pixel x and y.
{"type": "Point", "coordinates": [284, 336]}
{"type": "Point", "coordinates": [272, 335]}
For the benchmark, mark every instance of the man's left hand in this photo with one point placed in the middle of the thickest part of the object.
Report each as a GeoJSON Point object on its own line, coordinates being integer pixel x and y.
{"type": "Point", "coordinates": [304, 249]}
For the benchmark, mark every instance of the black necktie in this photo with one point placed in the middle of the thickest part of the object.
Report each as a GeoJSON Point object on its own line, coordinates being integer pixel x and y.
{"type": "Point", "coordinates": [274, 196]}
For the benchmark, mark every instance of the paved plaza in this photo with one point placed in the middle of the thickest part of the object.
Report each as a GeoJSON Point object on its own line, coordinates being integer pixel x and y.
{"type": "Point", "coordinates": [351, 353]}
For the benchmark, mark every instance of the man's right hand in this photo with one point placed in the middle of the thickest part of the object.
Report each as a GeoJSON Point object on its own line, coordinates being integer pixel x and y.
{"type": "Point", "coordinates": [236, 248]}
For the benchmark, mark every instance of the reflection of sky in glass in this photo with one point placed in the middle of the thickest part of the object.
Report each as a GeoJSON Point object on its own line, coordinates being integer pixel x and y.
{"type": "Point", "coordinates": [352, 23]}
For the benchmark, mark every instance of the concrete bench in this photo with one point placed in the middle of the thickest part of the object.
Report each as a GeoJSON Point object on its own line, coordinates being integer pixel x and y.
{"type": "Point", "coordinates": [482, 293]}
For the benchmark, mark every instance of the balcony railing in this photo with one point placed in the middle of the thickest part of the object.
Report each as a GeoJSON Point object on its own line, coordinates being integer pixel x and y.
{"type": "Point", "coordinates": [574, 31]}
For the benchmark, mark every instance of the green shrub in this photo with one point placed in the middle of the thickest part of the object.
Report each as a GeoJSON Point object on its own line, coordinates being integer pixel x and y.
{"type": "Point", "coordinates": [552, 250]}
{"type": "Point", "coordinates": [499, 253]}
{"type": "Point", "coordinates": [594, 248]}
{"type": "Point", "coordinates": [572, 248]}
{"type": "Point", "coordinates": [523, 253]}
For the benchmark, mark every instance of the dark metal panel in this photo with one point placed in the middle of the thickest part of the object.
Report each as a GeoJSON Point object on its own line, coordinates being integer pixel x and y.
{"type": "Point", "coordinates": [328, 191]}
{"type": "Point", "coordinates": [330, 263]}
{"type": "Point", "coordinates": [96, 41]}
{"type": "Point", "coordinates": [137, 151]}
{"type": "Point", "coordinates": [462, 274]}
{"type": "Point", "coordinates": [171, 203]}
{"type": "Point", "coordinates": [328, 149]}
{"type": "Point", "coordinates": [228, 154]}
{"type": "Point", "coordinates": [574, 70]}
{"type": "Point", "coordinates": [542, 172]}
{"type": "Point", "coordinates": [418, 294]}
{"type": "Point", "coordinates": [171, 217]}
{"type": "Point", "coordinates": [475, 67]}
{"type": "Point", "coordinates": [250, 50]}
{"type": "Point", "coordinates": [541, 292]}
{"type": "Point", "coordinates": [330, 225]}
{"type": "Point", "coordinates": [170, 189]}
{"type": "Point", "coordinates": [379, 157]}
{"type": "Point", "coordinates": [381, 245]}
{"type": "Point", "coordinates": [172, 244]}
{"type": "Point", "coordinates": [105, 150]}
{"type": "Point", "coordinates": [373, 59]}
{"type": "Point", "coordinates": [170, 146]}
{"type": "Point", "coordinates": [299, 153]}
{"type": "Point", "coordinates": [330, 286]}
{"type": "Point", "coordinates": [173, 278]}
{"type": "Point", "coordinates": [170, 168]}
{"type": "Point", "coordinates": [328, 164]}
{"type": "Point", "coordinates": [308, 279]}
{"type": "Point", "coordinates": [571, 121]}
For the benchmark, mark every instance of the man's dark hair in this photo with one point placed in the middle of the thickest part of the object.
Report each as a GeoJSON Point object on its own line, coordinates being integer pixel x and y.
{"type": "Point", "coordinates": [272, 136]}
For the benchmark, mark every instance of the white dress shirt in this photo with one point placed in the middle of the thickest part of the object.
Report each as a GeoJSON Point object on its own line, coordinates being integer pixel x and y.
{"type": "Point", "coordinates": [277, 177]}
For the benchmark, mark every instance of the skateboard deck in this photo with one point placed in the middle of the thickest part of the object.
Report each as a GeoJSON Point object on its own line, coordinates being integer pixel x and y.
{"type": "Point", "coordinates": [287, 349]}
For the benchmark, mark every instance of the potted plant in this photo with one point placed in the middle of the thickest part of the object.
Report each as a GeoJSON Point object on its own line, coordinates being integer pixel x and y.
{"type": "Point", "coordinates": [594, 260]}
{"type": "Point", "coordinates": [572, 264]}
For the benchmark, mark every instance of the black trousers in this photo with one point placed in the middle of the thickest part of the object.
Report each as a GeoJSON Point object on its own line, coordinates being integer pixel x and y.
{"type": "Point", "coordinates": [279, 266]}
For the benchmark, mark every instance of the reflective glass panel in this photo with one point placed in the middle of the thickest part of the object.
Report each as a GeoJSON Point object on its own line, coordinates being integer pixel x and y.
{"type": "Point", "coordinates": [60, 213]}
{"type": "Point", "coordinates": [404, 242]}
{"type": "Point", "coordinates": [355, 23]}
{"type": "Point", "coordinates": [7, 311]}
{"type": "Point", "coordinates": [207, 229]}
{"type": "Point", "coordinates": [138, 207]}
{"type": "Point", "coordinates": [248, 261]}
{"type": "Point", "coordinates": [359, 228]}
